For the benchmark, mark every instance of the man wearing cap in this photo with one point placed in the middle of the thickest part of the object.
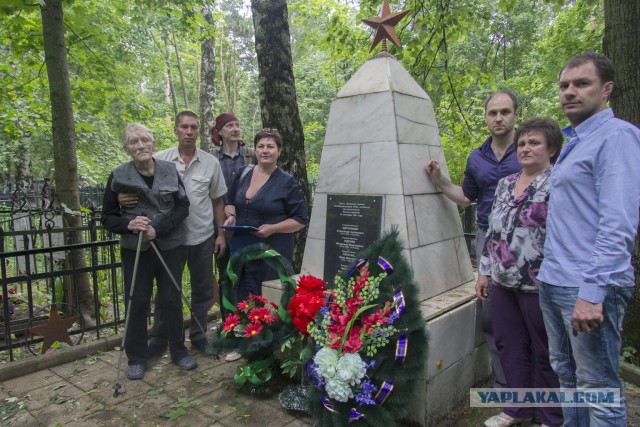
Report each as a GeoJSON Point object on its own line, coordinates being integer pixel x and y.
{"type": "Point", "coordinates": [233, 155]}
{"type": "Point", "coordinates": [205, 186]}
{"type": "Point", "coordinates": [229, 149]}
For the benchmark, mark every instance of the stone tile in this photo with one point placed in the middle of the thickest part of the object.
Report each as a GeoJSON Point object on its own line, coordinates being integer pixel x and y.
{"type": "Point", "coordinates": [448, 342]}
{"type": "Point", "coordinates": [225, 401]}
{"type": "Point", "coordinates": [395, 215]}
{"type": "Point", "coordinates": [482, 364]}
{"type": "Point", "coordinates": [412, 227]}
{"type": "Point", "coordinates": [380, 169]}
{"type": "Point", "coordinates": [415, 110]}
{"type": "Point", "coordinates": [195, 384]}
{"type": "Point", "coordinates": [371, 77]}
{"type": "Point", "coordinates": [381, 74]}
{"type": "Point", "coordinates": [111, 357]}
{"type": "Point", "coordinates": [103, 418]}
{"type": "Point", "coordinates": [435, 268]}
{"type": "Point", "coordinates": [412, 161]}
{"type": "Point", "coordinates": [61, 405]}
{"type": "Point", "coordinates": [313, 260]}
{"type": "Point", "coordinates": [415, 121]}
{"type": "Point", "coordinates": [318, 223]}
{"type": "Point", "coordinates": [466, 269]}
{"type": "Point", "coordinates": [339, 169]}
{"type": "Point", "coordinates": [446, 390]}
{"type": "Point", "coordinates": [20, 386]}
{"type": "Point", "coordinates": [479, 336]}
{"type": "Point", "coordinates": [23, 418]}
{"type": "Point", "coordinates": [48, 394]}
{"type": "Point", "coordinates": [361, 119]}
{"type": "Point", "coordinates": [437, 219]}
{"type": "Point", "coordinates": [103, 393]}
{"type": "Point", "coordinates": [259, 413]}
{"type": "Point", "coordinates": [436, 153]}
{"type": "Point", "coordinates": [86, 374]}
{"type": "Point", "coordinates": [442, 303]}
{"type": "Point", "coordinates": [301, 422]}
{"type": "Point", "coordinates": [161, 371]}
{"type": "Point", "coordinates": [403, 82]}
{"type": "Point", "coordinates": [146, 409]}
{"type": "Point", "coordinates": [417, 134]}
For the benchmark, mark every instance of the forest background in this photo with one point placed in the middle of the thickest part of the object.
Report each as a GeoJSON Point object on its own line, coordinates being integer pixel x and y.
{"type": "Point", "coordinates": [145, 60]}
{"type": "Point", "coordinates": [140, 61]}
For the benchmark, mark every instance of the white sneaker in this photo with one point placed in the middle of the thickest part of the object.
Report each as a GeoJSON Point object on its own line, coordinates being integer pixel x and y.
{"type": "Point", "coordinates": [233, 356]}
{"type": "Point", "coordinates": [504, 420]}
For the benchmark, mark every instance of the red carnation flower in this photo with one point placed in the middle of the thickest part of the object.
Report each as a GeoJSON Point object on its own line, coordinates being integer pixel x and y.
{"type": "Point", "coordinates": [242, 305]}
{"type": "Point", "coordinates": [309, 283]}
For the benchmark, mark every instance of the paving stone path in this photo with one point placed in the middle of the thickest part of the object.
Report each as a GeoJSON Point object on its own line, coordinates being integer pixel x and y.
{"type": "Point", "coordinates": [80, 393]}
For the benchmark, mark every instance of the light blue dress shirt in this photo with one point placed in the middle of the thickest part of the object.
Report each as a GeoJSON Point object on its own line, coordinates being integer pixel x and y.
{"type": "Point", "coordinates": [594, 208]}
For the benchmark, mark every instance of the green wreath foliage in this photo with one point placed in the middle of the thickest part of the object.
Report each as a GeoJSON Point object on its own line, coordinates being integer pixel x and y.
{"type": "Point", "coordinates": [269, 340]}
{"type": "Point", "coordinates": [406, 376]}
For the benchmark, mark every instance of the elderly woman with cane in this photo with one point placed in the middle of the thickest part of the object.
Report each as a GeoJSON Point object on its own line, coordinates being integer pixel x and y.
{"type": "Point", "coordinates": [155, 221]}
{"type": "Point", "coordinates": [512, 257]}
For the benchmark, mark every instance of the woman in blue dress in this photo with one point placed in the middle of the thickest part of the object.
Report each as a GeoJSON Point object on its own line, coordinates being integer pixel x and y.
{"type": "Point", "coordinates": [267, 198]}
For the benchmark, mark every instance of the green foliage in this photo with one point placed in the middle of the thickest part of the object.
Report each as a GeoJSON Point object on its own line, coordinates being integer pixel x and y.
{"type": "Point", "coordinates": [9, 407]}
{"type": "Point", "coordinates": [179, 408]}
{"type": "Point", "coordinates": [458, 51]}
{"type": "Point", "coordinates": [405, 376]}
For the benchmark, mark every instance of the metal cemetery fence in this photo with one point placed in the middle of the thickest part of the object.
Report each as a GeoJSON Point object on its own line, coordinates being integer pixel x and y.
{"type": "Point", "coordinates": [40, 268]}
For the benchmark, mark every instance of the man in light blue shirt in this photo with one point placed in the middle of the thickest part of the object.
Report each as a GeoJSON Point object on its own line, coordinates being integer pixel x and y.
{"type": "Point", "coordinates": [591, 228]}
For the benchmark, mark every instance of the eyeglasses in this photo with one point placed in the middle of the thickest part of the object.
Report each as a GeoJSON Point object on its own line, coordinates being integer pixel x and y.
{"type": "Point", "coordinates": [272, 131]}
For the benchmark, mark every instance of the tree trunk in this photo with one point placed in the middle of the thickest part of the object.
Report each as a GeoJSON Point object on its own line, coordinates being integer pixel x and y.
{"type": "Point", "coordinates": [207, 81]}
{"type": "Point", "coordinates": [64, 143]}
{"type": "Point", "coordinates": [167, 56]}
{"type": "Point", "coordinates": [278, 100]}
{"type": "Point", "coordinates": [184, 86]}
{"type": "Point", "coordinates": [621, 44]}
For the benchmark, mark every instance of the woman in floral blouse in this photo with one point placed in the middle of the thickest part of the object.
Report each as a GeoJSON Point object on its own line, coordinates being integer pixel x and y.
{"type": "Point", "coordinates": [511, 258]}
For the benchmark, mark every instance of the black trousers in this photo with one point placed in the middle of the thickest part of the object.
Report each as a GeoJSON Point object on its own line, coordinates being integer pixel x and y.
{"type": "Point", "coordinates": [150, 268]}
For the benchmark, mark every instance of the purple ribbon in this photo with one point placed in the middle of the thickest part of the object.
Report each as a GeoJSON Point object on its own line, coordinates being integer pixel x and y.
{"type": "Point", "coordinates": [357, 265]}
{"type": "Point", "coordinates": [398, 298]}
{"type": "Point", "coordinates": [384, 264]}
{"type": "Point", "coordinates": [354, 415]}
{"type": "Point", "coordinates": [402, 345]}
{"type": "Point", "coordinates": [307, 371]}
{"type": "Point", "coordinates": [385, 390]}
{"type": "Point", "coordinates": [328, 405]}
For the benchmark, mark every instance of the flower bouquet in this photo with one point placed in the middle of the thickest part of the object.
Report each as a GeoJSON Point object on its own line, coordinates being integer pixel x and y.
{"type": "Point", "coordinates": [255, 321]}
{"type": "Point", "coordinates": [309, 297]}
{"type": "Point", "coordinates": [369, 342]}
{"type": "Point", "coordinates": [255, 327]}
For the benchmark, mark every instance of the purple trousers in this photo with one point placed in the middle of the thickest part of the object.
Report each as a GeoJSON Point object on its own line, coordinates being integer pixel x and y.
{"type": "Point", "coordinates": [521, 339]}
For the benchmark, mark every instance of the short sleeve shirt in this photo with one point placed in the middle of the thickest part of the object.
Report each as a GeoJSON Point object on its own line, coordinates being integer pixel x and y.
{"type": "Point", "coordinates": [204, 182]}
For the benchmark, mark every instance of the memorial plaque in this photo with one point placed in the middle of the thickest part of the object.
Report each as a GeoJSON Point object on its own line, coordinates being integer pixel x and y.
{"type": "Point", "coordinates": [353, 223]}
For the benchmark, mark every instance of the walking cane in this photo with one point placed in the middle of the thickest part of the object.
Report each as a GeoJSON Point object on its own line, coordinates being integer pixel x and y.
{"type": "Point", "coordinates": [117, 386]}
{"type": "Point", "coordinates": [178, 287]}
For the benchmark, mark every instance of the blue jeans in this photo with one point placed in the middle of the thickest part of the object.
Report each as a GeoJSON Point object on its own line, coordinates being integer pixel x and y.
{"type": "Point", "coordinates": [586, 360]}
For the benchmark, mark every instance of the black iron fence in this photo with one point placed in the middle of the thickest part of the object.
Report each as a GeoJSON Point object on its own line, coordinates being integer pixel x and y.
{"type": "Point", "coordinates": [45, 265]}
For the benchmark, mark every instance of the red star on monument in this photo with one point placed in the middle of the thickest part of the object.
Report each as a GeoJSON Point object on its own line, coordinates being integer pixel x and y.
{"type": "Point", "coordinates": [57, 329]}
{"type": "Point", "coordinates": [385, 26]}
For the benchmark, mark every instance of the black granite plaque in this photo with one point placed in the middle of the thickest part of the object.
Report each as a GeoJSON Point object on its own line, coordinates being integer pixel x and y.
{"type": "Point", "coordinates": [353, 223]}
